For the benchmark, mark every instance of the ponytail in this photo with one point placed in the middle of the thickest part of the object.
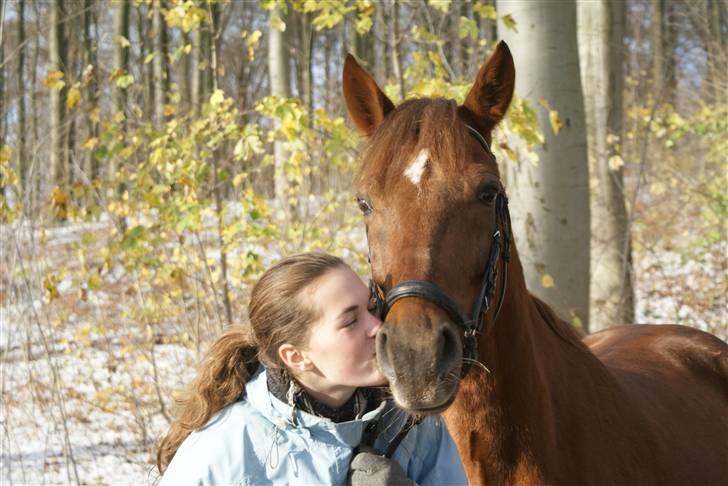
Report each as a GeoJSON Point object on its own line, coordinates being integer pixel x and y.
{"type": "Point", "coordinates": [227, 367]}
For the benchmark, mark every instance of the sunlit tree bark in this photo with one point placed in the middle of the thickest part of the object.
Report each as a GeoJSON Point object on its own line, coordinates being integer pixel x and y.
{"type": "Point", "coordinates": [550, 199]}
{"type": "Point", "coordinates": [601, 36]}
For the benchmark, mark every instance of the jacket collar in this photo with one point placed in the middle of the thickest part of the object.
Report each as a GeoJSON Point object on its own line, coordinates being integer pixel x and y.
{"type": "Point", "coordinates": [283, 416]}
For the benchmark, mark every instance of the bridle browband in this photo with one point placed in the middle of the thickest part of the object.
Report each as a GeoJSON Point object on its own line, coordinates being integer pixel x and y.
{"type": "Point", "coordinates": [422, 289]}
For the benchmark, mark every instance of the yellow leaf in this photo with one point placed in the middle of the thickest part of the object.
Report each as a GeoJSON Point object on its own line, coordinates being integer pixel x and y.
{"type": "Point", "coordinates": [509, 22]}
{"type": "Point", "coordinates": [90, 143]}
{"type": "Point", "coordinates": [441, 5]}
{"type": "Point", "coordinates": [5, 154]}
{"type": "Point", "coordinates": [88, 73]}
{"type": "Point", "coordinates": [169, 110]}
{"type": "Point", "coordinates": [74, 96]}
{"type": "Point", "coordinates": [94, 282]}
{"type": "Point", "coordinates": [50, 283]}
{"type": "Point", "coordinates": [615, 162]}
{"type": "Point", "coordinates": [657, 188]}
{"type": "Point", "coordinates": [217, 97]}
{"type": "Point", "coordinates": [277, 23]}
{"type": "Point", "coordinates": [123, 42]}
{"type": "Point", "coordinates": [547, 281]}
{"type": "Point", "coordinates": [54, 80]}
{"type": "Point", "coordinates": [59, 197]}
{"type": "Point", "coordinates": [555, 121]}
{"type": "Point", "coordinates": [119, 117]}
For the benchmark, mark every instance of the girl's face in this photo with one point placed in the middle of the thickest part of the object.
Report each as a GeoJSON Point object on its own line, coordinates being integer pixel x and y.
{"type": "Point", "coordinates": [341, 343]}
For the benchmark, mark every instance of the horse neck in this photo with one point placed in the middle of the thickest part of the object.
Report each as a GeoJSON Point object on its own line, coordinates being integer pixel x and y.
{"type": "Point", "coordinates": [509, 415]}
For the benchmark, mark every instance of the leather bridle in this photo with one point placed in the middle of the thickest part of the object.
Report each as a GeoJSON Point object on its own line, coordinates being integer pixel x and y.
{"type": "Point", "coordinates": [423, 289]}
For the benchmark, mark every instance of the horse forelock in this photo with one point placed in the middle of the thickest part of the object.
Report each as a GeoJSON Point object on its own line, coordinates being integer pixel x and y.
{"type": "Point", "coordinates": [419, 133]}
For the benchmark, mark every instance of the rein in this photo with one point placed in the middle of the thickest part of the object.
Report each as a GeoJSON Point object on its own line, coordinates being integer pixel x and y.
{"type": "Point", "coordinates": [422, 289]}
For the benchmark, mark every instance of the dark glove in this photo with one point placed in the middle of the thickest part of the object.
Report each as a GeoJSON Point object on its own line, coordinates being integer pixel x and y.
{"type": "Point", "coordinates": [369, 468]}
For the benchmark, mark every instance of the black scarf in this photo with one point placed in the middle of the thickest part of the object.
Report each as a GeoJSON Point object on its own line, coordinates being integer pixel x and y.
{"type": "Point", "coordinates": [286, 389]}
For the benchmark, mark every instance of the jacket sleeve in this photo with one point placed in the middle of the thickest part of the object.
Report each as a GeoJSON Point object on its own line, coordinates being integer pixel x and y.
{"type": "Point", "coordinates": [441, 461]}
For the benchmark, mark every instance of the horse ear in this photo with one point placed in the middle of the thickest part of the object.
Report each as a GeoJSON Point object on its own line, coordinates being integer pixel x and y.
{"type": "Point", "coordinates": [366, 103]}
{"type": "Point", "coordinates": [488, 99]}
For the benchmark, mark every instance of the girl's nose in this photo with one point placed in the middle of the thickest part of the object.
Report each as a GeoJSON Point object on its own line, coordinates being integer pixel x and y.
{"type": "Point", "coordinates": [375, 324]}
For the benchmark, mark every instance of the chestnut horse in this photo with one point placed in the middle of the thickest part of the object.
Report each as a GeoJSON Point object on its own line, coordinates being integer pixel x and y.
{"type": "Point", "coordinates": [630, 405]}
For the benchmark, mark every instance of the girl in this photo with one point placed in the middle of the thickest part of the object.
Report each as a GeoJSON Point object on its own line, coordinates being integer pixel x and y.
{"type": "Point", "coordinates": [304, 416]}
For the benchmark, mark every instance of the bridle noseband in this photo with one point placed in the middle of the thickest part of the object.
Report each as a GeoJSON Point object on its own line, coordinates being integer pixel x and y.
{"type": "Point", "coordinates": [500, 246]}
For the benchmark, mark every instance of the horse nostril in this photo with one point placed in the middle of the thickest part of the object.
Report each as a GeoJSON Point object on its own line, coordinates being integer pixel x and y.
{"type": "Point", "coordinates": [383, 355]}
{"type": "Point", "coordinates": [448, 349]}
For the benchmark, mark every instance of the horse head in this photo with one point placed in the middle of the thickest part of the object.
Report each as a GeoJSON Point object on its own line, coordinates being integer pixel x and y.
{"type": "Point", "coordinates": [430, 191]}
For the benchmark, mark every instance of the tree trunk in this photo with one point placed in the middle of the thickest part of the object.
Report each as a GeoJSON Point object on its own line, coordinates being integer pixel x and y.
{"type": "Point", "coordinates": [216, 158]}
{"type": "Point", "coordinates": [186, 73]}
{"type": "Point", "coordinates": [91, 92]}
{"type": "Point", "coordinates": [550, 199]}
{"type": "Point", "coordinates": [35, 174]}
{"type": "Point", "coordinates": [197, 75]}
{"type": "Point", "coordinates": [601, 41]}
{"type": "Point", "coordinates": [379, 31]}
{"type": "Point", "coordinates": [306, 37]}
{"type": "Point", "coordinates": [121, 63]}
{"type": "Point", "coordinates": [58, 157]}
{"type": "Point", "coordinates": [278, 72]}
{"type": "Point", "coordinates": [663, 35]}
{"type": "Point", "coordinates": [161, 74]}
{"type": "Point", "coordinates": [394, 47]}
{"type": "Point", "coordinates": [456, 44]}
{"type": "Point", "coordinates": [21, 156]}
{"type": "Point", "coordinates": [147, 46]}
{"type": "Point", "coordinates": [3, 96]}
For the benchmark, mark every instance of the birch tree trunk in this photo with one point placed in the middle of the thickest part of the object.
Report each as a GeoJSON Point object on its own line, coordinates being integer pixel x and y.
{"type": "Point", "coordinates": [601, 38]}
{"type": "Point", "coordinates": [550, 199]}
{"type": "Point", "coordinates": [279, 75]}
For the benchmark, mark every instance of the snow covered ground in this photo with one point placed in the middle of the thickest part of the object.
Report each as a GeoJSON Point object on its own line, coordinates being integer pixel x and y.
{"type": "Point", "coordinates": [79, 401]}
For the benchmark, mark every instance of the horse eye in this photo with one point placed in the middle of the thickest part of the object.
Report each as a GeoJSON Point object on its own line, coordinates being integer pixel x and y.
{"type": "Point", "coordinates": [487, 196]}
{"type": "Point", "coordinates": [364, 205]}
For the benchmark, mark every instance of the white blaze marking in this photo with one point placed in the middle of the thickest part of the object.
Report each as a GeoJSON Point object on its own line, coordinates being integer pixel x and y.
{"type": "Point", "coordinates": [417, 167]}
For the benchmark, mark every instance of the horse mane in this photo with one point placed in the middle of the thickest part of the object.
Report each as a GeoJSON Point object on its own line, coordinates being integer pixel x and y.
{"type": "Point", "coordinates": [565, 331]}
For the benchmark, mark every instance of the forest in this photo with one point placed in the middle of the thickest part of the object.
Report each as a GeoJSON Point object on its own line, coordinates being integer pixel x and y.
{"type": "Point", "coordinates": [157, 155]}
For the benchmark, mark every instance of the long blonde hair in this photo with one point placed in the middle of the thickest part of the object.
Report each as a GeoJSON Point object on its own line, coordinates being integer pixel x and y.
{"type": "Point", "coordinates": [278, 315]}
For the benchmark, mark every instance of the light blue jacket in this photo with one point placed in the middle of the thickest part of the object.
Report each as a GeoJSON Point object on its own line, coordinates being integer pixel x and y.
{"type": "Point", "coordinates": [256, 442]}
